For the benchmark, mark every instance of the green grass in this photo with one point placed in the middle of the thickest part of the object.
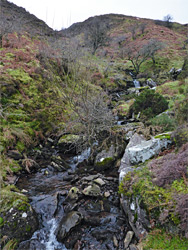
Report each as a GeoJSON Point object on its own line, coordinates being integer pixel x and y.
{"type": "Point", "coordinates": [160, 240]}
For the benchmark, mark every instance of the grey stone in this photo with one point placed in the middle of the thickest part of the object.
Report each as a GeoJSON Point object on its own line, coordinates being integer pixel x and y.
{"type": "Point", "coordinates": [92, 190]}
{"type": "Point", "coordinates": [132, 247]}
{"type": "Point", "coordinates": [139, 150]}
{"type": "Point", "coordinates": [99, 181]}
{"type": "Point", "coordinates": [128, 238]}
{"type": "Point", "coordinates": [70, 221]}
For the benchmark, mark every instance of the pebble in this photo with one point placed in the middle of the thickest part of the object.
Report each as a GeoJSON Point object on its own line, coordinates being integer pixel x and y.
{"type": "Point", "coordinates": [107, 194]}
{"type": "Point", "coordinates": [128, 238]}
{"type": "Point", "coordinates": [24, 215]}
{"type": "Point", "coordinates": [99, 181]}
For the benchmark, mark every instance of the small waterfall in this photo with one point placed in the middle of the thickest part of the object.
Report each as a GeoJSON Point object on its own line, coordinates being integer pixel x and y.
{"type": "Point", "coordinates": [136, 83]}
{"type": "Point", "coordinates": [79, 158]}
{"type": "Point", "coordinates": [52, 243]}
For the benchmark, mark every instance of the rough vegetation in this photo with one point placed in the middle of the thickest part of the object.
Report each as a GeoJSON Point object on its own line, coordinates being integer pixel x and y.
{"type": "Point", "coordinates": [71, 85]}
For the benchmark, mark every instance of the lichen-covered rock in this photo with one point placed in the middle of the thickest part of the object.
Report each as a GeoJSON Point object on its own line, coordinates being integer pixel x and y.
{"type": "Point", "coordinates": [139, 150]}
{"type": "Point", "coordinates": [67, 143]}
{"type": "Point", "coordinates": [92, 190]}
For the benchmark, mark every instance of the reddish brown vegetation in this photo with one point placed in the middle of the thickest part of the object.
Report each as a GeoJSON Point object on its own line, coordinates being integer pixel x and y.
{"type": "Point", "coordinates": [182, 211]}
{"type": "Point", "coordinates": [170, 167]}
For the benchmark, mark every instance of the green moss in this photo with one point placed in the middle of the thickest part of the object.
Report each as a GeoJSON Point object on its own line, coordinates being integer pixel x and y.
{"type": "Point", "coordinates": [155, 199]}
{"type": "Point", "coordinates": [8, 165]}
{"type": "Point", "coordinates": [107, 161]}
{"type": "Point", "coordinates": [10, 197]}
{"type": "Point", "coordinates": [163, 136]}
{"type": "Point", "coordinates": [24, 206]}
{"type": "Point", "coordinates": [69, 138]}
{"type": "Point", "coordinates": [20, 75]}
{"type": "Point", "coordinates": [9, 55]}
{"type": "Point", "coordinates": [28, 228]}
{"type": "Point", "coordinates": [159, 239]}
{"type": "Point", "coordinates": [1, 221]}
{"type": "Point", "coordinates": [20, 146]}
{"type": "Point", "coordinates": [123, 108]}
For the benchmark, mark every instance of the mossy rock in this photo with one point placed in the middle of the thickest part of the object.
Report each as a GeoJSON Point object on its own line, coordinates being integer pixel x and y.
{"type": "Point", "coordinates": [104, 164]}
{"type": "Point", "coordinates": [67, 143]}
{"type": "Point", "coordinates": [68, 139]}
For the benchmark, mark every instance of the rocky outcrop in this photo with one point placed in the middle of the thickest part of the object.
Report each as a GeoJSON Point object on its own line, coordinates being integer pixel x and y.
{"type": "Point", "coordinates": [139, 150]}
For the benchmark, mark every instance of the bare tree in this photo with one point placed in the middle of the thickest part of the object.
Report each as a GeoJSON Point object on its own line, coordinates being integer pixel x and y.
{"type": "Point", "coordinates": [133, 30]}
{"type": "Point", "coordinates": [138, 56]}
{"type": "Point", "coordinates": [152, 47]}
{"type": "Point", "coordinates": [97, 35]}
{"type": "Point", "coordinates": [90, 116]}
{"type": "Point", "coordinates": [167, 19]}
{"type": "Point", "coordinates": [142, 27]}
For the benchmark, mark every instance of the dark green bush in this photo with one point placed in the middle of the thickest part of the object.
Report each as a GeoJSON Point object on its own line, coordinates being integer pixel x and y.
{"type": "Point", "coordinates": [164, 121]}
{"type": "Point", "coordinates": [149, 104]}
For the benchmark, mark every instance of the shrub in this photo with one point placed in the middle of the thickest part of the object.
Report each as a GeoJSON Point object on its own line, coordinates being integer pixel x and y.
{"type": "Point", "coordinates": [164, 121]}
{"type": "Point", "coordinates": [149, 104]}
{"type": "Point", "coordinates": [182, 211]}
{"type": "Point", "coordinates": [170, 167]}
{"type": "Point", "coordinates": [180, 135]}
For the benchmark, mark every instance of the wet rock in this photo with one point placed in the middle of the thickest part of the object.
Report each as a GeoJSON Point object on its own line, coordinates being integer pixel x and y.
{"type": "Point", "coordinates": [92, 190]}
{"type": "Point", "coordinates": [145, 150]}
{"type": "Point", "coordinates": [92, 220]}
{"type": "Point", "coordinates": [115, 241]}
{"type": "Point", "coordinates": [151, 83]}
{"type": "Point", "coordinates": [68, 177]}
{"type": "Point", "coordinates": [47, 204]}
{"type": "Point", "coordinates": [57, 167]}
{"type": "Point", "coordinates": [70, 221]}
{"type": "Point", "coordinates": [128, 238]}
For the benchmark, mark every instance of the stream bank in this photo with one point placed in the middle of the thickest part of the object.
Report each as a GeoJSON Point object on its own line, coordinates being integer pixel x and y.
{"type": "Point", "coordinates": [77, 207]}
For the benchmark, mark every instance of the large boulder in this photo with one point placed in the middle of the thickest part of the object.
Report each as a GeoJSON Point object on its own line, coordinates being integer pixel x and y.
{"type": "Point", "coordinates": [139, 150]}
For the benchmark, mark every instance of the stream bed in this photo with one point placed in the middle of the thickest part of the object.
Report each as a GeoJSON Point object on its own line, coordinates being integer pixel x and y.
{"type": "Point", "coordinates": [77, 208]}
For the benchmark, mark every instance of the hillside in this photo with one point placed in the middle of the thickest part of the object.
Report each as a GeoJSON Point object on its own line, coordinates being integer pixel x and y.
{"type": "Point", "coordinates": [16, 18]}
{"type": "Point", "coordinates": [93, 87]}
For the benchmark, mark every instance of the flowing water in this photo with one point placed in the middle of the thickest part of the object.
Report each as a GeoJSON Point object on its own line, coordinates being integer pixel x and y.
{"type": "Point", "coordinates": [47, 191]}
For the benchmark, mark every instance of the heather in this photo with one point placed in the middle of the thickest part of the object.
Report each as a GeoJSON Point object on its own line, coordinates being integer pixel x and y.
{"type": "Point", "coordinates": [170, 167]}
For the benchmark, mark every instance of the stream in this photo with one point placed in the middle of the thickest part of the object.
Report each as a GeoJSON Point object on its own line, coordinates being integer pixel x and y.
{"type": "Point", "coordinates": [88, 220]}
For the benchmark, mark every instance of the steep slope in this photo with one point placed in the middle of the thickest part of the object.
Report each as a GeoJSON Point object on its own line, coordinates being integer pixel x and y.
{"type": "Point", "coordinates": [17, 19]}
